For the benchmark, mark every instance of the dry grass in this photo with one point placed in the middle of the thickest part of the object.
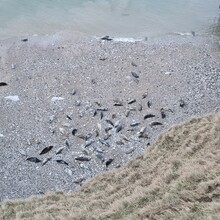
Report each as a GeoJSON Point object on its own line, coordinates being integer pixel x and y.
{"type": "Point", "coordinates": [177, 178]}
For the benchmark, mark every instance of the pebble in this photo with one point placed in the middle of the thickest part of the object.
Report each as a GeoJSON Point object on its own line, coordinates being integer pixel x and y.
{"type": "Point", "coordinates": [46, 150]}
{"type": "Point", "coordinates": [73, 92]}
{"type": "Point", "coordinates": [62, 162]}
{"type": "Point", "coordinates": [88, 143]}
{"type": "Point", "coordinates": [133, 64]}
{"type": "Point", "coordinates": [144, 95]}
{"type": "Point", "coordinates": [59, 150]}
{"type": "Point", "coordinates": [135, 75]}
{"type": "Point", "coordinates": [46, 160]}
{"type": "Point", "coordinates": [54, 99]}
{"type": "Point", "coordinates": [109, 161]}
{"type": "Point", "coordinates": [79, 180]}
{"type": "Point", "coordinates": [149, 116]}
{"type": "Point", "coordinates": [109, 122]}
{"type": "Point", "coordinates": [74, 131]}
{"type": "Point", "coordinates": [131, 101]}
{"type": "Point", "coordinates": [100, 157]}
{"type": "Point", "coordinates": [134, 124]}
{"type": "Point", "coordinates": [119, 128]}
{"type": "Point", "coordinates": [33, 159]}
{"type": "Point", "coordinates": [3, 84]}
{"type": "Point", "coordinates": [83, 158]}
{"type": "Point", "coordinates": [155, 123]}
{"type": "Point", "coordinates": [182, 103]}
{"type": "Point", "coordinates": [14, 98]}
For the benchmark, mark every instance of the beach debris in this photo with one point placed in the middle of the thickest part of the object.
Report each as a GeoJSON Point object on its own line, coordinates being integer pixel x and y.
{"type": "Point", "coordinates": [73, 92]}
{"type": "Point", "coordinates": [88, 143]}
{"type": "Point", "coordinates": [149, 116]}
{"type": "Point", "coordinates": [13, 66]}
{"type": "Point", "coordinates": [155, 123]}
{"type": "Point", "coordinates": [59, 150]}
{"type": "Point", "coordinates": [24, 40]}
{"type": "Point", "coordinates": [46, 160]}
{"type": "Point", "coordinates": [83, 158]}
{"type": "Point", "coordinates": [54, 99]}
{"type": "Point", "coordinates": [74, 131]}
{"type": "Point", "coordinates": [14, 98]}
{"type": "Point", "coordinates": [109, 161]}
{"type": "Point", "coordinates": [135, 75]}
{"type": "Point", "coordinates": [3, 84]}
{"type": "Point", "coordinates": [134, 124]}
{"type": "Point", "coordinates": [144, 95]}
{"type": "Point", "coordinates": [131, 101]}
{"type": "Point", "coordinates": [62, 162]}
{"type": "Point", "coordinates": [107, 38]}
{"type": "Point", "coordinates": [63, 131]}
{"type": "Point", "coordinates": [133, 64]}
{"type": "Point", "coordinates": [167, 73]}
{"type": "Point", "coordinates": [46, 150]}
{"type": "Point", "coordinates": [149, 104]}
{"type": "Point", "coordinates": [33, 159]}
{"type": "Point", "coordinates": [140, 107]}
{"type": "Point", "coordinates": [181, 103]}
{"type": "Point", "coordinates": [109, 122]}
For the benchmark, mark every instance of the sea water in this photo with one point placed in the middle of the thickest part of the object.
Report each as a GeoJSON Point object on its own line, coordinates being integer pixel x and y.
{"type": "Point", "coordinates": [118, 18]}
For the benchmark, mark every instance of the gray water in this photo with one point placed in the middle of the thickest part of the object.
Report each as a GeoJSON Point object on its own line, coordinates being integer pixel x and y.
{"type": "Point", "coordinates": [119, 18]}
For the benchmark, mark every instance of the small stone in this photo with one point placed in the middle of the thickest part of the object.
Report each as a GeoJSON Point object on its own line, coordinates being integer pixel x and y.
{"type": "Point", "coordinates": [33, 159]}
{"type": "Point", "coordinates": [62, 131]}
{"type": "Point", "coordinates": [79, 180]}
{"type": "Point", "coordinates": [46, 150]}
{"type": "Point", "coordinates": [133, 64]}
{"type": "Point", "coordinates": [88, 143]}
{"type": "Point", "coordinates": [74, 131]}
{"type": "Point", "coordinates": [182, 103]}
{"type": "Point", "coordinates": [130, 151]}
{"type": "Point", "coordinates": [135, 75]}
{"type": "Point", "coordinates": [109, 161]}
{"type": "Point", "coordinates": [1, 136]}
{"type": "Point", "coordinates": [83, 158]}
{"type": "Point", "coordinates": [144, 95]}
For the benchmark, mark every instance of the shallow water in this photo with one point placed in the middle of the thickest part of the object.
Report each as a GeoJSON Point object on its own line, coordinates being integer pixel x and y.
{"type": "Point", "coordinates": [119, 18]}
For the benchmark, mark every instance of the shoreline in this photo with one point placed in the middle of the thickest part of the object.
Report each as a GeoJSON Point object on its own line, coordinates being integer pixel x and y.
{"type": "Point", "coordinates": [47, 68]}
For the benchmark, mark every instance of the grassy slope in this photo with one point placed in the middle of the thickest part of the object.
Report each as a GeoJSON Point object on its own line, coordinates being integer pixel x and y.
{"type": "Point", "coordinates": [177, 178]}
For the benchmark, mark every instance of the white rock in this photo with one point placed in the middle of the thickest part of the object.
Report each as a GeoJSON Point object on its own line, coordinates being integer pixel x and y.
{"type": "Point", "coordinates": [54, 99]}
{"type": "Point", "coordinates": [167, 73]}
{"type": "Point", "coordinates": [1, 136]}
{"type": "Point", "coordinates": [14, 98]}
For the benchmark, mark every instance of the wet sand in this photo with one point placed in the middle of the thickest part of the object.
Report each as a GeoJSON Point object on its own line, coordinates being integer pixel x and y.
{"type": "Point", "coordinates": [103, 102]}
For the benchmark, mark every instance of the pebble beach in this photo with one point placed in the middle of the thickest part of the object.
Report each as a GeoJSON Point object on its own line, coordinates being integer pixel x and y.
{"type": "Point", "coordinates": [74, 106]}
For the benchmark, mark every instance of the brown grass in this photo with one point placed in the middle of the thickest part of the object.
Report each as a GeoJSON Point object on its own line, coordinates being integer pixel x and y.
{"type": "Point", "coordinates": [177, 178]}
